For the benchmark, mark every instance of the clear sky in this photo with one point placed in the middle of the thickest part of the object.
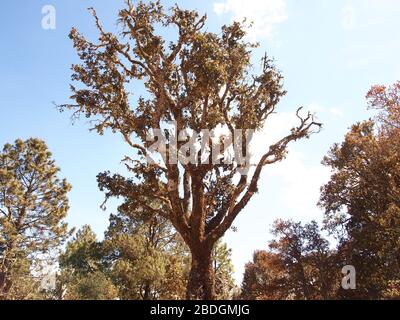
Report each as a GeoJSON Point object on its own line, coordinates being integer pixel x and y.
{"type": "Point", "coordinates": [330, 53]}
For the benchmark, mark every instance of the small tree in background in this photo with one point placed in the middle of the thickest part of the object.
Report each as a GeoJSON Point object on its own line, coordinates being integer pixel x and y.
{"type": "Point", "coordinates": [362, 198]}
{"type": "Point", "coordinates": [82, 275]}
{"type": "Point", "coordinates": [298, 265]}
{"type": "Point", "coordinates": [147, 258]}
{"type": "Point", "coordinates": [307, 259]}
{"type": "Point", "coordinates": [141, 258]}
{"type": "Point", "coordinates": [225, 287]}
{"type": "Point", "coordinates": [264, 278]}
{"type": "Point", "coordinates": [33, 205]}
{"type": "Point", "coordinates": [201, 80]}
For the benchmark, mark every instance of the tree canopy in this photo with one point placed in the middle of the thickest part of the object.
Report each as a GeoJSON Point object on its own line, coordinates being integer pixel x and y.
{"type": "Point", "coordinates": [297, 265]}
{"type": "Point", "coordinates": [198, 81]}
{"type": "Point", "coordinates": [361, 200]}
{"type": "Point", "coordinates": [33, 206]}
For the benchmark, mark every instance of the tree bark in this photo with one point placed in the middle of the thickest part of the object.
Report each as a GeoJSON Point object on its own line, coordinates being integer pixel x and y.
{"type": "Point", "coordinates": [5, 271]}
{"type": "Point", "coordinates": [201, 278]}
{"type": "Point", "coordinates": [147, 291]}
{"type": "Point", "coordinates": [2, 285]}
{"type": "Point", "coordinates": [5, 281]}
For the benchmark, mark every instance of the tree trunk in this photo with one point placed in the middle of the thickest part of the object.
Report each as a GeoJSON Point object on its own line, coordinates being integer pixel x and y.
{"type": "Point", "coordinates": [5, 272]}
{"type": "Point", "coordinates": [5, 283]}
{"type": "Point", "coordinates": [2, 285]}
{"type": "Point", "coordinates": [201, 278]}
{"type": "Point", "coordinates": [147, 291]}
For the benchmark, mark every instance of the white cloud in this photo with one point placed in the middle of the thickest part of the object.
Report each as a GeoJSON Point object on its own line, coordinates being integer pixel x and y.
{"type": "Point", "coordinates": [301, 180]}
{"type": "Point", "coordinates": [336, 112]}
{"type": "Point", "coordinates": [301, 185]}
{"type": "Point", "coordinates": [278, 125]}
{"type": "Point", "coordinates": [264, 14]}
{"type": "Point", "coordinates": [349, 18]}
{"type": "Point", "coordinates": [323, 111]}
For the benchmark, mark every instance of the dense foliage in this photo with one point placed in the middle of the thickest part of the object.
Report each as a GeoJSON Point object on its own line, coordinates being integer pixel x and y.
{"type": "Point", "coordinates": [33, 205]}
{"type": "Point", "coordinates": [199, 81]}
{"type": "Point", "coordinates": [362, 210]}
{"type": "Point", "coordinates": [165, 239]}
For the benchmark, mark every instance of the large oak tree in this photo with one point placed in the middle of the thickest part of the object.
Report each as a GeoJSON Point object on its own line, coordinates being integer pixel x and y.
{"type": "Point", "coordinates": [199, 80]}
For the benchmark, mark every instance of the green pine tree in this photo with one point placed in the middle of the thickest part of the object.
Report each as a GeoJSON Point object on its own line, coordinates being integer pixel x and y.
{"type": "Point", "coordinates": [33, 205]}
{"type": "Point", "coordinates": [82, 274]}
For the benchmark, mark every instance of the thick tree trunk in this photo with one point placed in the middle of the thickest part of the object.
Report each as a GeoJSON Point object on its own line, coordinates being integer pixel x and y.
{"type": "Point", "coordinates": [2, 285]}
{"type": "Point", "coordinates": [201, 278]}
{"type": "Point", "coordinates": [5, 271]}
{"type": "Point", "coordinates": [5, 285]}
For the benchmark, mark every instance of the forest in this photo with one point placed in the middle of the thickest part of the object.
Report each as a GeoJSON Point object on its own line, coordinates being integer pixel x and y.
{"type": "Point", "coordinates": [189, 173]}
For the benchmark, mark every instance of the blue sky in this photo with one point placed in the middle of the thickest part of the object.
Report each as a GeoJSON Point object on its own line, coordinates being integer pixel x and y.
{"type": "Point", "coordinates": [330, 53]}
